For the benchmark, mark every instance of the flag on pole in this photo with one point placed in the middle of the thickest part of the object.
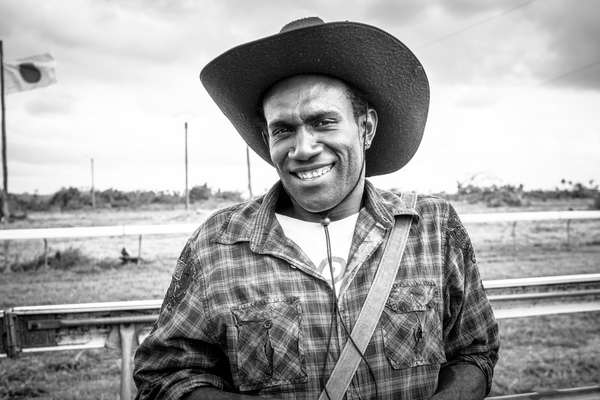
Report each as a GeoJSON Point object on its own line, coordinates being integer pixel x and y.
{"type": "Point", "coordinates": [29, 73]}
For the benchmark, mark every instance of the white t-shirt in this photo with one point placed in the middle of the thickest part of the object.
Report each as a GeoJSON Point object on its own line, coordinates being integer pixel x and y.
{"type": "Point", "coordinates": [310, 237]}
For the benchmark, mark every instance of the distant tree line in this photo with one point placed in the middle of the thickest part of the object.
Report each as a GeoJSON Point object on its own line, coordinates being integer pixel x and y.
{"type": "Point", "coordinates": [71, 198]}
{"type": "Point", "coordinates": [75, 199]}
{"type": "Point", "coordinates": [517, 196]}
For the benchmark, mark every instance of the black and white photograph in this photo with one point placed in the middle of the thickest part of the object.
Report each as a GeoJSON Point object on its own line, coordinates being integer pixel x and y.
{"type": "Point", "coordinates": [360, 199]}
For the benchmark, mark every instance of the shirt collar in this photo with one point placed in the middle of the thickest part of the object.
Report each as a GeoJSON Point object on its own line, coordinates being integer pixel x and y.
{"type": "Point", "coordinates": [384, 205]}
{"type": "Point", "coordinates": [255, 222]}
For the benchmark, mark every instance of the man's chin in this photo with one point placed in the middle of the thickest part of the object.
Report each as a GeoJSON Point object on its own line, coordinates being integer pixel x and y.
{"type": "Point", "coordinates": [312, 205]}
{"type": "Point", "coordinates": [316, 210]}
{"type": "Point", "coordinates": [314, 200]}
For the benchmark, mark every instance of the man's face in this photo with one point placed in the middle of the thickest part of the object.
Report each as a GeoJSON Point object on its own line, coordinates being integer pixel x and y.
{"type": "Point", "coordinates": [315, 142]}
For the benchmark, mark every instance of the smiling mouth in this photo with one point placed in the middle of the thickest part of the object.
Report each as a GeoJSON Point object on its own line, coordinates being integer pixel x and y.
{"type": "Point", "coordinates": [314, 174]}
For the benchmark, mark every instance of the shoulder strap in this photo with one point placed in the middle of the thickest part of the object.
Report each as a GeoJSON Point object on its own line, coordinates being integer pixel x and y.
{"type": "Point", "coordinates": [346, 366]}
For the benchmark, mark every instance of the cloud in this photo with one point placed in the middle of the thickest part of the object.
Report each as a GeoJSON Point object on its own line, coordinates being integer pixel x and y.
{"type": "Point", "coordinates": [396, 12]}
{"type": "Point", "coordinates": [572, 46]}
{"type": "Point", "coordinates": [528, 44]}
{"type": "Point", "coordinates": [49, 105]}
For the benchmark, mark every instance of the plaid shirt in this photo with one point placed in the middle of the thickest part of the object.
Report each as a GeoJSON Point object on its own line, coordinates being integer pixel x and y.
{"type": "Point", "coordinates": [247, 312]}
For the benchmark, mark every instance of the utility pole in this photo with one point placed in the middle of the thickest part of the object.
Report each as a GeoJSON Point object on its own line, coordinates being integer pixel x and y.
{"type": "Point", "coordinates": [93, 193]}
{"type": "Point", "coordinates": [185, 116]}
{"type": "Point", "coordinates": [5, 209]}
{"type": "Point", "coordinates": [187, 193]}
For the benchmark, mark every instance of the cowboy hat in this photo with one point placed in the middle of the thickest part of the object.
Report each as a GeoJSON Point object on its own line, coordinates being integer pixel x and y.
{"type": "Point", "coordinates": [368, 58]}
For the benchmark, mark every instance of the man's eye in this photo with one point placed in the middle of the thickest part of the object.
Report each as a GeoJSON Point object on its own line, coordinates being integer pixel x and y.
{"type": "Point", "coordinates": [279, 131]}
{"type": "Point", "coordinates": [324, 122]}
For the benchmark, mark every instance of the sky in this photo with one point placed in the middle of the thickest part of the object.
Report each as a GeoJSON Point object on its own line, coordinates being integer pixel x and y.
{"type": "Point", "coordinates": [515, 91]}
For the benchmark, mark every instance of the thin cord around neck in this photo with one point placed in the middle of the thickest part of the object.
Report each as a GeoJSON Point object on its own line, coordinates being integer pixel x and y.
{"type": "Point", "coordinates": [336, 312]}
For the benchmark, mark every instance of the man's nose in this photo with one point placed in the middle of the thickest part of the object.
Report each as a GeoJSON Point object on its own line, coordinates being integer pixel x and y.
{"type": "Point", "coordinates": [305, 145]}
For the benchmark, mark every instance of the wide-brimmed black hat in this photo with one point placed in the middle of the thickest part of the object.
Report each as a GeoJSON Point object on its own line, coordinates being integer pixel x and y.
{"type": "Point", "coordinates": [367, 57]}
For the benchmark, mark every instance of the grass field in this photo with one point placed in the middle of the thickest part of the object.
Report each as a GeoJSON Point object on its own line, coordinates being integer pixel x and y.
{"type": "Point", "coordinates": [537, 353]}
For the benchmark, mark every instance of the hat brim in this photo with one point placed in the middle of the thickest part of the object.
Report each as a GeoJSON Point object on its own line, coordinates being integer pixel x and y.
{"type": "Point", "coordinates": [367, 57]}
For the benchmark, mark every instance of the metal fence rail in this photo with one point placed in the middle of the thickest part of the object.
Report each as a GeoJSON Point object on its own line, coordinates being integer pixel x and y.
{"type": "Point", "coordinates": [114, 325]}
{"type": "Point", "coordinates": [96, 231]}
{"type": "Point", "coordinates": [529, 297]}
{"type": "Point", "coordinates": [583, 393]}
{"type": "Point", "coordinates": [531, 216]}
{"type": "Point", "coordinates": [540, 281]}
{"type": "Point", "coordinates": [136, 230]}
{"type": "Point", "coordinates": [45, 234]}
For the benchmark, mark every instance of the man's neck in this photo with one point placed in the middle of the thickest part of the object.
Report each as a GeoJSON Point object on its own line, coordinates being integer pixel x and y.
{"type": "Point", "coordinates": [349, 206]}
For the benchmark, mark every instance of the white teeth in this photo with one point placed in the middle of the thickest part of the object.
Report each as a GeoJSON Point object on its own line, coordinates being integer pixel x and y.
{"type": "Point", "coordinates": [308, 175]}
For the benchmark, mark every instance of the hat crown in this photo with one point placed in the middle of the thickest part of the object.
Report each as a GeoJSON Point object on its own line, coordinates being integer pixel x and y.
{"type": "Point", "coordinates": [302, 23]}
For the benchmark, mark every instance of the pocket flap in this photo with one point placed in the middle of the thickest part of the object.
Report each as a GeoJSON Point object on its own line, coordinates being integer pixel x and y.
{"type": "Point", "coordinates": [266, 309]}
{"type": "Point", "coordinates": [413, 296]}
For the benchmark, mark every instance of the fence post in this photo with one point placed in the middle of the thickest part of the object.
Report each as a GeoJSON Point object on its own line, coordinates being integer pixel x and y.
{"type": "Point", "coordinates": [569, 234]}
{"type": "Point", "coordinates": [45, 253]}
{"type": "Point", "coordinates": [139, 259]}
{"type": "Point", "coordinates": [7, 267]}
{"type": "Point", "coordinates": [126, 331]}
{"type": "Point", "coordinates": [514, 235]}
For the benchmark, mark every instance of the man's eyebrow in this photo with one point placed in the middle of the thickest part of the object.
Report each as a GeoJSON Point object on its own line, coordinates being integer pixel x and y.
{"type": "Point", "coordinates": [323, 114]}
{"type": "Point", "coordinates": [278, 123]}
{"type": "Point", "coordinates": [317, 115]}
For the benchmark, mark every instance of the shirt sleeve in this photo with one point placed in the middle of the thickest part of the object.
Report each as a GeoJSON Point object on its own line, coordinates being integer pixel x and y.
{"type": "Point", "coordinates": [181, 354]}
{"type": "Point", "coordinates": [470, 328]}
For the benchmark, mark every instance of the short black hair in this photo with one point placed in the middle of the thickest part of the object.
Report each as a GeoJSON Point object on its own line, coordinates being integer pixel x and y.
{"type": "Point", "coordinates": [358, 100]}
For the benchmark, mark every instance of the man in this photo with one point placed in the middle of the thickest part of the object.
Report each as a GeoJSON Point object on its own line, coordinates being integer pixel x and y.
{"type": "Point", "coordinates": [266, 293]}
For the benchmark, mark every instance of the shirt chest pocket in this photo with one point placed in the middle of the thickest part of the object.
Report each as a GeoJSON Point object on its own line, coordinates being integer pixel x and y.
{"type": "Point", "coordinates": [269, 344]}
{"type": "Point", "coordinates": [412, 330]}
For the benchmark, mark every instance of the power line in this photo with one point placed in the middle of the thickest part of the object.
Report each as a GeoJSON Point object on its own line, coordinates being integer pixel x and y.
{"type": "Point", "coordinates": [510, 10]}
{"type": "Point", "coordinates": [450, 35]}
{"type": "Point", "coordinates": [569, 73]}
{"type": "Point", "coordinates": [523, 91]}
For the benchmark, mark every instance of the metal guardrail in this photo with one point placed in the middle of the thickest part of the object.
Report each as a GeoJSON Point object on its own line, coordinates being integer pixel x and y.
{"type": "Point", "coordinates": [114, 325]}
{"type": "Point", "coordinates": [549, 295]}
{"type": "Point", "coordinates": [123, 325]}
{"type": "Point", "coordinates": [583, 393]}
{"type": "Point", "coordinates": [541, 281]}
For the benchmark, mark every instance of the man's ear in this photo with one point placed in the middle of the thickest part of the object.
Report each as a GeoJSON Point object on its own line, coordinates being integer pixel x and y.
{"type": "Point", "coordinates": [369, 126]}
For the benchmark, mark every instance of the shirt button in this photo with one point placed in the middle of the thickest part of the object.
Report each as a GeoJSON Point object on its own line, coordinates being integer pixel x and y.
{"type": "Point", "coordinates": [267, 324]}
